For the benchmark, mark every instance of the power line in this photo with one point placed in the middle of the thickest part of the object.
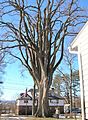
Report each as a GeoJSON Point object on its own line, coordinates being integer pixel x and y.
{"type": "Point", "coordinates": [15, 88]}
{"type": "Point", "coordinates": [12, 89]}
{"type": "Point", "coordinates": [16, 83]}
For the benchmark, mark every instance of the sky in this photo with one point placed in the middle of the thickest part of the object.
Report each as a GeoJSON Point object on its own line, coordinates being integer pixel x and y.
{"type": "Point", "coordinates": [14, 82]}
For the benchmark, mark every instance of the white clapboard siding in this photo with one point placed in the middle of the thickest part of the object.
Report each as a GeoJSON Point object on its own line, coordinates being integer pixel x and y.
{"type": "Point", "coordinates": [81, 41]}
{"type": "Point", "coordinates": [86, 103]}
{"type": "Point", "coordinates": [21, 103]}
{"type": "Point", "coordinates": [86, 77]}
{"type": "Point", "coordinates": [86, 112]}
{"type": "Point", "coordinates": [55, 103]}
{"type": "Point", "coordinates": [83, 45]}
{"type": "Point", "coordinates": [30, 102]}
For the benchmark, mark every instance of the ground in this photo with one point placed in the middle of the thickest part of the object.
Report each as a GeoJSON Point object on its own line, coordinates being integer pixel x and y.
{"type": "Point", "coordinates": [31, 118]}
{"type": "Point", "coordinates": [49, 119]}
{"type": "Point", "coordinates": [13, 118]}
{"type": "Point", "coordinates": [9, 117]}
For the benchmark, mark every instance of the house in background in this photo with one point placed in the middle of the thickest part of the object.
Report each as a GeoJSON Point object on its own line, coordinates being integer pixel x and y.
{"type": "Point", "coordinates": [24, 102]}
{"type": "Point", "coordinates": [55, 101]}
{"type": "Point", "coordinates": [80, 46]}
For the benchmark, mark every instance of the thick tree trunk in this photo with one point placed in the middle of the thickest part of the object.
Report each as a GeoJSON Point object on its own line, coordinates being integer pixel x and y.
{"type": "Point", "coordinates": [45, 102]}
{"type": "Point", "coordinates": [39, 107]}
{"type": "Point", "coordinates": [42, 109]}
{"type": "Point", "coordinates": [33, 105]}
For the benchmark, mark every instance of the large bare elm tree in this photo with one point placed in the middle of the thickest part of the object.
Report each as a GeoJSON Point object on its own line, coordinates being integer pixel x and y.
{"type": "Point", "coordinates": [34, 32]}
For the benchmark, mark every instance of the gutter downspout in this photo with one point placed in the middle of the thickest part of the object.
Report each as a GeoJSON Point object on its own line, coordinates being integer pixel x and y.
{"type": "Point", "coordinates": [81, 86]}
{"type": "Point", "coordinates": [81, 80]}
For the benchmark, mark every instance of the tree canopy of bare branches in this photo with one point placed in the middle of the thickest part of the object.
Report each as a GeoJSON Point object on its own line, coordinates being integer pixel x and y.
{"type": "Point", "coordinates": [34, 32]}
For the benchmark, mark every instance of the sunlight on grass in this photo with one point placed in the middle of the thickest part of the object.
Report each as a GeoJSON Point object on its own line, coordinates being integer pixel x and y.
{"type": "Point", "coordinates": [34, 118]}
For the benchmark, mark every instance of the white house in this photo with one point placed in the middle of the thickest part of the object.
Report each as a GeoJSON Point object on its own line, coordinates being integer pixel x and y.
{"type": "Point", "coordinates": [24, 102]}
{"type": "Point", "coordinates": [80, 46]}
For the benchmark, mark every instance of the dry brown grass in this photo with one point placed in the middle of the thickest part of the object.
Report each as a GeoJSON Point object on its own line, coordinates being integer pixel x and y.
{"type": "Point", "coordinates": [34, 118]}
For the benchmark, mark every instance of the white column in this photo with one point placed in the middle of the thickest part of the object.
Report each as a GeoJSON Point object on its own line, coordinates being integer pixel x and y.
{"type": "Point", "coordinates": [81, 85]}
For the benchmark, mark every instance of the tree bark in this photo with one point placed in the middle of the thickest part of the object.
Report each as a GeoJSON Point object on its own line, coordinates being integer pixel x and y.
{"type": "Point", "coordinates": [33, 105]}
{"type": "Point", "coordinates": [42, 109]}
{"type": "Point", "coordinates": [45, 103]}
{"type": "Point", "coordinates": [39, 107]}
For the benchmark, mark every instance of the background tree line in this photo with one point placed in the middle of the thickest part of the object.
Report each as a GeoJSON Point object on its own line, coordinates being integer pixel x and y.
{"type": "Point", "coordinates": [66, 80]}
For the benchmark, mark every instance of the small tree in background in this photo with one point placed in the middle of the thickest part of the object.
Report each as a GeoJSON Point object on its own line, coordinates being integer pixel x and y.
{"type": "Point", "coordinates": [2, 68]}
{"type": "Point", "coordinates": [34, 33]}
{"type": "Point", "coordinates": [68, 79]}
{"type": "Point", "coordinates": [2, 71]}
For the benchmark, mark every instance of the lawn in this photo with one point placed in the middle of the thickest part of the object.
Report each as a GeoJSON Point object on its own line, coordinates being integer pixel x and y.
{"type": "Point", "coordinates": [33, 118]}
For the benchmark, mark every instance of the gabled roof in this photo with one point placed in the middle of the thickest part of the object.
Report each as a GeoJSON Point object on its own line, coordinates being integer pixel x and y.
{"type": "Point", "coordinates": [75, 42]}
{"type": "Point", "coordinates": [25, 96]}
{"type": "Point", "coordinates": [53, 97]}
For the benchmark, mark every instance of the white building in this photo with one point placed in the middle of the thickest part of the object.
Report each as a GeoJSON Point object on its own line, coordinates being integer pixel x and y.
{"type": "Point", "coordinates": [80, 46]}
{"type": "Point", "coordinates": [24, 103]}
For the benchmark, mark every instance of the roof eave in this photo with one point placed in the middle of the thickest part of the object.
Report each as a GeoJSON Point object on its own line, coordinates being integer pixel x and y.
{"type": "Point", "coordinates": [73, 50]}
{"type": "Point", "coordinates": [74, 45]}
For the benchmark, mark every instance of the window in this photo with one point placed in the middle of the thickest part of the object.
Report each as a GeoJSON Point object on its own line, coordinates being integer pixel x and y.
{"type": "Point", "coordinates": [25, 101]}
{"type": "Point", "coordinates": [57, 101]}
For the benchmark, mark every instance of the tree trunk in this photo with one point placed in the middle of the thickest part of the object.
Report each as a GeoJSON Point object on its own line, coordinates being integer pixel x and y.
{"type": "Point", "coordinates": [33, 105]}
{"type": "Point", "coordinates": [42, 109]}
{"type": "Point", "coordinates": [45, 103]}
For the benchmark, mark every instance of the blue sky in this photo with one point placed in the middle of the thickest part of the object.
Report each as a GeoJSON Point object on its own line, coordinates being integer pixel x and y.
{"type": "Point", "coordinates": [14, 82]}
